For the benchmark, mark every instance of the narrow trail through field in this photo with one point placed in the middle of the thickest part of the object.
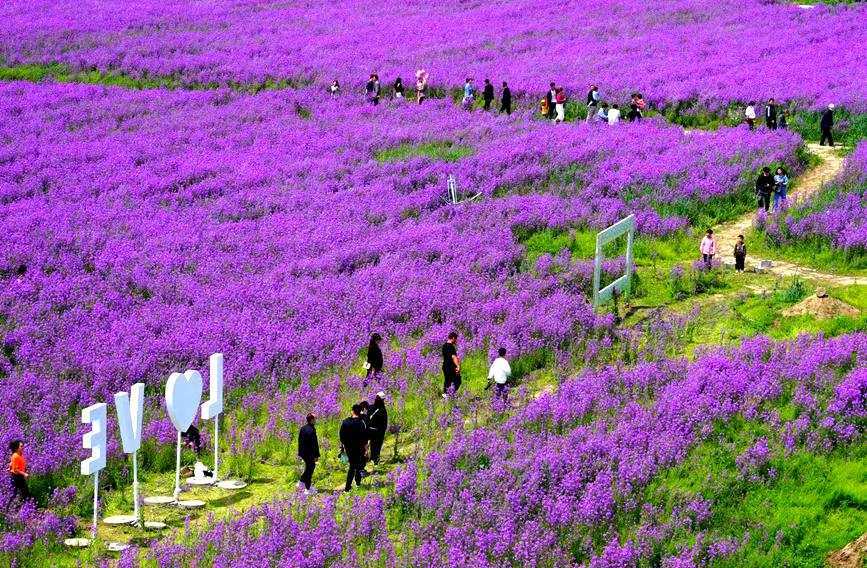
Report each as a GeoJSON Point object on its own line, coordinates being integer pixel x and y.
{"type": "Point", "coordinates": [806, 185]}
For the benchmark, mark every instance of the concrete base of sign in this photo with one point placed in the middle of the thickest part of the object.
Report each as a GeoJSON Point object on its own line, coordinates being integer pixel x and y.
{"type": "Point", "coordinates": [191, 504]}
{"type": "Point", "coordinates": [155, 525]}
{"type": "Point", "coordinates": [200, 481]}
{"type": "Point", "coordinates": [159, 500]}
{"type": "Point", "coordinates": [117, 546]}
{"type": "Point", "coordinates": [119, 520]}
{"type": "Point", "coordinates": [77, 542]}
{"type": "Point", "coordinates": [231, 484]}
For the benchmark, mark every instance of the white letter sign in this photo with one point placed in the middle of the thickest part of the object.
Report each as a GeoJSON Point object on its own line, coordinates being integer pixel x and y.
{"type": "Point", "coordinates": [95, 415]}
{"type": "Point", "coordinates": [129, 415]}
{"type": "Point", "coordinates": [214, 406]}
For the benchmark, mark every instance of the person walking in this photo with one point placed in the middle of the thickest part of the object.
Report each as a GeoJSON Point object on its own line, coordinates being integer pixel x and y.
{"type": "Point", "coordinates": [613, 115]}
{"type": "Point", "coordinates": [771, 114]}
{"type": "Point", "coordinates": [469, 94]}
{"type": "Point", "coordinates": [506, 99]}
{"type": "Point", "coordinates": [560, 105]}
{"type": "Point", "coordinates": [334, 89]}
{"type": "Point", "coordinates": [378, 426]}
{"type": "Point", "coordinates": [488, 94]}
{"type": "Point", "coordinates": [421, 79]}
{"type": "Point", "coordinates": [826, 124]}
{"type": "Point", "coordinates": [708, 248]}
{"type": "Point", "coordinates": [764, 188]}
{"type": "Point", "coordinates": [499, 372]}
{"type": "Point", "coordinates": [353, 437]}
{"type": "Point", "coordinates": [551, 99]}
{"type": "Point", "coordinates": [308, 450]}
{"type": "Point", "coordinates": [781, 187]}
{"type": "Point", "coordinates": [740, 254]}
{"type": "Point", "coordinates": [18, 472]}
{"type": "Point", "coordinates": [374, 356]}
{"type": "Point", "coordinates": [398, 88]}
{"type": "Point", "coordinates": [750, 115]}
{"type": "Point", "coordinates": [592, 102]}
{"type": "Point", "coordinates": [451, 366]}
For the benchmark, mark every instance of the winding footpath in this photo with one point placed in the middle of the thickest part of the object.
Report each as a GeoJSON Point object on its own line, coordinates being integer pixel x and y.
{"type": "Point", "coordinates": [807, 184]}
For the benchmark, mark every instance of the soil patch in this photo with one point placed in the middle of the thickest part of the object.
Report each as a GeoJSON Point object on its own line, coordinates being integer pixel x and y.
{"type": "Point", "coordinates": [822, 308]}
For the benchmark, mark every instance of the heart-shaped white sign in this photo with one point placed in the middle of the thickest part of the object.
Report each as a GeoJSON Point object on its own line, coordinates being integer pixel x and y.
{"type": "Point", "coordinates": [183, 395]}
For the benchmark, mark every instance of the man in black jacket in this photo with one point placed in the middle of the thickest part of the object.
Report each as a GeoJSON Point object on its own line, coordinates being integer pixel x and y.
{"type": "Point", "coordinates": [506, 99]}
{"type": "Point", "coordinates": [353, 437]}
{"type": "Point", "coordinates": [488, 94]}
{"type": "Point", "coordinates": [764, 188]}
{"type": "Point", "coordinates": [826, 125]}
{"type": "Point", "coordinates": [378, 425]}
{"type": "Point", "coordinates": [308, 450]}
{"type": "Point", "coordinates": [771, 114]}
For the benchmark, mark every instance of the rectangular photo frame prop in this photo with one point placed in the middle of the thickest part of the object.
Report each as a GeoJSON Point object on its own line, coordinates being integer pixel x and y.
{"type": "Point", "coordinates": [605, 236]}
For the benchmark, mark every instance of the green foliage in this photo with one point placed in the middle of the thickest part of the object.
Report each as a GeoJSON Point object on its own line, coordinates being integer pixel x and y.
{"type": "Point", "coordinates": [442, 150]}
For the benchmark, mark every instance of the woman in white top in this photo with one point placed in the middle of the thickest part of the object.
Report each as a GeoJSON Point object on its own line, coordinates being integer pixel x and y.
{"type": "Point", "coordinates": [613, 115]}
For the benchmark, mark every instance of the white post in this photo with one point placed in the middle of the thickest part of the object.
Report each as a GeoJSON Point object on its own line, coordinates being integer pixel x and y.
{"type": "Point", "coordinates": [178, 469]}
{"type": "Point", "coordinates": [216, 448]}
{"type": "Point", "coordinates": [95, 504]}
{"type": "Point", "coordinates": [135, 508]}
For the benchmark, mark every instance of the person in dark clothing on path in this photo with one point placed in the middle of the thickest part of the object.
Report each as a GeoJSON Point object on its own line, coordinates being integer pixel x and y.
{"type": "Point", "coordinates": [488, 94]}
{"type": "Point", "coordinates": [551, 99]}
{"type": "Point", "coordinates": [740, 254]}
{"type": "Point", "coordinates": [451, 366]}
{"type": "Point", "coordinates": [634, 114]}
{"type": "Point", "coordinates": [398, 88]}
{"type": "Point", "coordinates": [764, 188]}
{"type": "Point", "coordinates": [378, 426]}
{"type": "Point", "coordinates": [506, 99]}
{"type": "Point", "coordinates": [353, 437]}
{"type": "Point", "coordinates": [308, 450]}
{"type": "Point", "coordinates": [18, 472]}
{"type": "Point", "coordinates": [783, 120]}
{"type": "Point", "coordinates": [374, 356]}
{"type": "Point", "coordinates": [826, 124]}
{"type": "Point", "coordinates": [771, 114]}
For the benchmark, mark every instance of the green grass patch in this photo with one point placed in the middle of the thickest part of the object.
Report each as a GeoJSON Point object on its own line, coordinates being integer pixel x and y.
{"type": "Point", "coordinates": [441, 150]}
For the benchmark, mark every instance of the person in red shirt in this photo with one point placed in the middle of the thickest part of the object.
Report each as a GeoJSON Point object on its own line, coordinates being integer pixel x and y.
{"type": "Point", "coordinates": [18, 471]}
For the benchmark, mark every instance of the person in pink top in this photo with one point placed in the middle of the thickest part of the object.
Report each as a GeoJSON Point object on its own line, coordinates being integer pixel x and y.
{"type": "Point", "coordinates": [708, 248]}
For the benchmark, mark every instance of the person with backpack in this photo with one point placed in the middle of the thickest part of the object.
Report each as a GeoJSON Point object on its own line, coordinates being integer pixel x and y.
{"type": "Point", "coordinates": [750, 115]}
{"type": "Point", "coordinates": [353, 439]}
{"type": "Point", "coordinates": [378, 420]}
{"type": "Point", "coordinates": [18, 472]}
{"type": "Point", "coordinates": [308, 450]}
{"type": "Point", "coordinates": [506, 99]}
{"type": "Point", "coordinates": [488, 94]}
{"type": "Point", "coordinates": [764, 188]}
{"type": "Point", "coordinates": [560, 105]}
{"type": "Point", "coordinates": [592, 102]}
{"type": "Point", "coordinates": [771, 115]}
{"type": "Point", "coordinates": [826, 124]}
{"type": "Point", "coordinates": [781, 187]}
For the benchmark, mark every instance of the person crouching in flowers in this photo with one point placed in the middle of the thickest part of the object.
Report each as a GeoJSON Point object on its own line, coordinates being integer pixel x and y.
{"type": "Point", "coordinates": [18, 472]}
{"type": "Point", "coordinates": [708, 248]}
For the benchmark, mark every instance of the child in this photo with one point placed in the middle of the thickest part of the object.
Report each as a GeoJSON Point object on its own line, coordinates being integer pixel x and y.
{"type": "Point", "coordinates": [740, 254]}
{"type": "Point", "coordinates": [708, 248]}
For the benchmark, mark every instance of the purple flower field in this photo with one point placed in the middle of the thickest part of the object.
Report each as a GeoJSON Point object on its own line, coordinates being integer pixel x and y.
{"type": "Point", "coordinates": [145, 230]}
{"type": "Point", "coordinates": [715, 52]}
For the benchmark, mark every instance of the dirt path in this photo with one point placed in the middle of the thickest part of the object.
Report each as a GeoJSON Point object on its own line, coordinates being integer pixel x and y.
{"type": "Point", "coordinates": [806, 185]}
